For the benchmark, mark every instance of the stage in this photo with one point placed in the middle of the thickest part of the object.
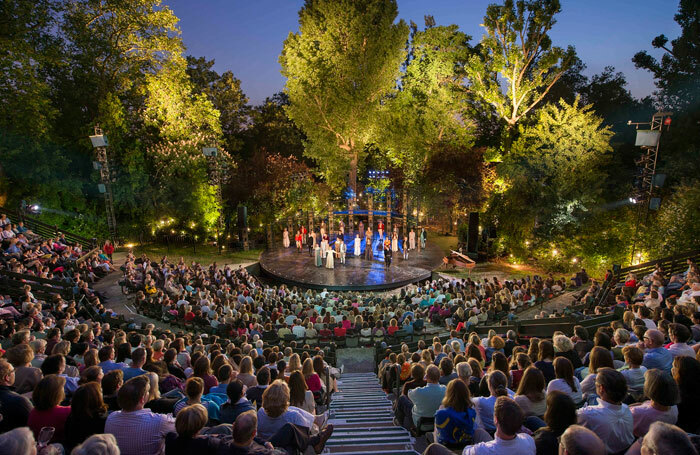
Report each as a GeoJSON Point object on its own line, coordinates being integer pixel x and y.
{"type": "Point", "coordinates": [357, 274]}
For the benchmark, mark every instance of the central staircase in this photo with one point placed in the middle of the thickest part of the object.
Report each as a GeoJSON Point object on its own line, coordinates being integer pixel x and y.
{"type": "Point", "coordinates": [363, 420]}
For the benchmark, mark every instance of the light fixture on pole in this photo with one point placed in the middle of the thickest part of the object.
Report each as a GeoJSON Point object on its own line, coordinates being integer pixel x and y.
{"type": "Point", "coordinates": [100, 144]}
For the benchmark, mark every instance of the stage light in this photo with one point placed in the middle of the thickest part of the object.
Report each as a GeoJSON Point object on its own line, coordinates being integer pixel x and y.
{"type": "Point", "coordinates": [129, 245]}
{"type": "Point", "coordinates": [555, 252]}
{"type": "Point", "coordinates": [527, 243]}
{"type": "Point", "coordinates": [192, 225]}
{"type": "Point", "coordinates": [633, 200]}
{"type": "Point", "coordinates": [574, 260]}
{"type": "Point", "coordinates": [172, 231]}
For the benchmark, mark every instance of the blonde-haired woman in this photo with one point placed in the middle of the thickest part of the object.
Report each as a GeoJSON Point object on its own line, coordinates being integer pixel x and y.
{"type": "Point", "coordinates": [276, 412]}
{"type": "Point", "coordinates": [245, 374]}
{"type": "Point", "coordinates": [294, 363]}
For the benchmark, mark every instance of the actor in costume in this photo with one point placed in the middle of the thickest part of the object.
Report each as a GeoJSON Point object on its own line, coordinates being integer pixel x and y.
{"type": "Point", "coordinates": [412, 240]}
{"type": "Point", "coordinates": [387, 253]}
{"type": "Point", "coordinates": [380, 228]}
{"type": "Point", "coordinates": [330, 264]}
{"type": "Point", "coordinates": [285, 238]}
{"type": "Point", "coordinates": [368, 245]}
{"type": "Point", "coordinates": [318, 256]}
{"type": "Point", "coordinates": [342, 249]}
{"type": "Point", "coordinates": [405, 247]}
{"type": "Point", "coordinates": [357, 246]}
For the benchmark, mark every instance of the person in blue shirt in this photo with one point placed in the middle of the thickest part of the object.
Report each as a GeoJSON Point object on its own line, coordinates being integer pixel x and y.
{"type": "Point", "coordinates": [655, 355]}
{"type": "Point", "coordinates": [138, 359]}
{"type": "Point", "coordinates": [455, 422]}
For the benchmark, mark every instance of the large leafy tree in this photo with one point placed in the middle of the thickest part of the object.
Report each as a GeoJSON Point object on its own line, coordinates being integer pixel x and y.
{"type": "Point", "coordinates": [343, 61]}
{"type": "Point", "coordinates": [517, 64]}
{"type": "Point", "coordinates": [428, 111]}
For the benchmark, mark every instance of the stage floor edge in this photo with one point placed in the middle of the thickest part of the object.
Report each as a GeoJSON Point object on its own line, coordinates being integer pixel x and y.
{"type": "Point", "coordinates": [292, 268]}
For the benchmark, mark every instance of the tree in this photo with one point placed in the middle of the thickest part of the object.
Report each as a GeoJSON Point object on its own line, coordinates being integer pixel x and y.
{"type": "Point", "coordinates": [517, 64]}
{"type": "Point", "coordinates": [554, 174]}
{"type": "Point", "coordinates": [272, 130]}
{"type": "Point", "coordinates": [428, 111]}
{"type": "Point", "coordinates": [343, 61]}
{"type": "Point", "coordinates": [677, 74]}
{"type": "Point", "coordinates": [225, 93]}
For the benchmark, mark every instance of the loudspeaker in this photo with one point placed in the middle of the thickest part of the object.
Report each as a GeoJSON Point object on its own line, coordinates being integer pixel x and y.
{"type": "Point", "coordinates": [473, 233]}
{"type": "Point", "coordinates": [242, 216]}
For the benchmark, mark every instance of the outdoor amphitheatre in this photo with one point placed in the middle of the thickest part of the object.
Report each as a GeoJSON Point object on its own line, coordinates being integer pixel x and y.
{"type": "Point", "coordinates": [349, 227]}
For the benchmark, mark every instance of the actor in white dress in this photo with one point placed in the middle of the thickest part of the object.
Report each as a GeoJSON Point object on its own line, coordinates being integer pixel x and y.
{"type": "Point", "coordinates": [395, 242]}
{"type": "Point", "coordinates": [412, 240]}
{"type": "Point", "coordinates": [330, 258]}
{"type": "Point", "coordinates": [285, 238]}
{"type": "Point", "coordinates": [358, 244]}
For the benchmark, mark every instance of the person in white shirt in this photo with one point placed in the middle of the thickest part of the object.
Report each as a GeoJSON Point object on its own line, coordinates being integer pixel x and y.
{"type": "Point", "coordinates": [565, 380]}
{"type": "Point", "coordinates": [578, 440]}
{"type": "Point", "coordinates": [610, 418]}
{"type": "Point", "coordinates": [679, 336]}
{"type": "Point", "coordinates": [634, 370]}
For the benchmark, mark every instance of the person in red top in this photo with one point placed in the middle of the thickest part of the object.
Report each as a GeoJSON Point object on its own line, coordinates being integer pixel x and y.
{"type": "Point", "coordinates": [393, 327]}
{"type": "Point", "coordinates": [189, 315]}
{"type": "Point", "coordinates": [297, 239]}
{"type": "Point", "coordinates": [108, 249]}
{"type": "Point", "coordinates": [313, 381]}
{"type": "Point", "coordinates": [47, 396]}
{"type": "Point", "coordinates": [347, 325]}
{"type": "Point", "coordinates": [339, 331]}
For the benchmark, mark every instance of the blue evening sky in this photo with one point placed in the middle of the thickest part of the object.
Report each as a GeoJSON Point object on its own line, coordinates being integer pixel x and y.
{"type": "Point", "coordinates": [246, 36]}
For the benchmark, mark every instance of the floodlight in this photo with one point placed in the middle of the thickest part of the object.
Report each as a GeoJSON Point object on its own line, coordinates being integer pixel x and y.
{"type": "Point", "coordinates": [99, 140]}
{"type": "Point", "coordinates": [632, 200]}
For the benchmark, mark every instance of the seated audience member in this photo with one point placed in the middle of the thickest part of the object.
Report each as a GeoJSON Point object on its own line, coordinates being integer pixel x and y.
{"type": "Point", "coordinates": [425, 400]}
{"type": "Point", "coordinates": [545, 359]}
{"type": "Point", "coordinates": [202, 369]}
{"type": "Point", "coordinates": [18, 441]}
{"type": "Point", "coordinates": [289, 438]}
{"type": "Point", "coordinates": [599, 358]}
{"type": "Point", "coordinates": [189, 423]}
{"type": "Point", "coordinates": [509, 418]}
{"type": "Point", "coordinates": [98, 444]}
{"type": "Point", "coordinates": [276, 412]}
{"type": "Point", "coordinates": [237, 402]}
{"type": "Point", "coordinates": [447, 372]}
{"type": "Point", "coordinates": [313, 380]}
{"type": "Point", "coordinates": [224, 375]}
{"type": "Point", "coordinates": [14, 407]}
{"type": "Point", "coordinates": [255, 393]}
{"type": "Point", "coordinates": [299, 394]}
{"type": "Point", "coordinates": [47, 396]}
{"type": "Point", "coordinates": [560, 415]}
{"type": "Point", "coordinates": [152, 427]}
{"type": "Point", "coordinates": [655, 355]}
{"type": "Point", "coordinates": [138, 360]}
{"type": "Point", "coordinates": [635, 371]}
{"type": "Point", "coordinates": [87, 416]}
{"type": "Point", "coordinates": [662, 392]}
{"type": "Point", "coordinates": [530, 395]}
{"type": "Point", "coordinates": [565, 380]}
{"type": "Point", "coordinates": [417, 379]}
{"type": "Point", "coordinates": [194, 389]}
{"type": "Point", "coordinates": [485, 405]}
{"type": "Point", "coordinates": [679, 336]}
{"type": "Point", "coordinates": [663, 438]}
{"type": "Point", "coordinates": [610, 419]}
{"type": "Point", "coordinates": [111, 383]}
{"type": "Point", "coordinates": [455, 421]}
{"type": "Point", "coordinates": [578, 440]}
{"type": "Point", "coordinates": [686, 373]}
{"type": "Point", "coordinates": [26, 376]}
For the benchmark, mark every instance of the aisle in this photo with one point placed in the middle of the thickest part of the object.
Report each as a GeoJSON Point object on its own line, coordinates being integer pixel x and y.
{"type": "Point", "coordinates": [363, 420]}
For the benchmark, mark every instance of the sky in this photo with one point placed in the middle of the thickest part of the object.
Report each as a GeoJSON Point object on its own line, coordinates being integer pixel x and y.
{"type": "Point", "coordinates": [246, 37]}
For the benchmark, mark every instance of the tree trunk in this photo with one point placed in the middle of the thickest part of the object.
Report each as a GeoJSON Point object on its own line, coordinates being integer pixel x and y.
{"type": "Point", "coordinates": [352, 177]}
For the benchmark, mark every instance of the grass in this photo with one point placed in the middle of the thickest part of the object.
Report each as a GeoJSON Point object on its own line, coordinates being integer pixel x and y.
{"type": "Point", "coordinates": [205, 254]}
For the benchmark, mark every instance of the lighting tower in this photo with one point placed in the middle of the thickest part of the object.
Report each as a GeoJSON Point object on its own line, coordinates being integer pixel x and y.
{"type": "Point", "coordinates": [99, 142]}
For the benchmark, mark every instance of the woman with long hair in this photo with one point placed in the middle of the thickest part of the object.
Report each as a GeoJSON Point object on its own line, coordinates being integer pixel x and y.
{"type": "Point", "coordinates": [565, 380]}
{"type": "Point", "coordinates": [455, 421]}
{"type": "Point", "coordinates": [202, 369]}
{"type": "Point", "coordinates": [663, 395]}
{"type": "Point", "coordinates": [560, 415]}
{"type": "Point", "coordinates": [87, 416]}
{"type": "Point", "coordinates": [246, 375]}
{"type": "Point", "coordinates": [299, 394]}
{"type": "Point", "coordinates": [530, 395]}
{"type": "Point", "coordinates": [48, 412]}
{"type": "Point", "coordinates": [686, 372]}
{"type": "Point", "coordinates": [498, 387]}
{"type": "Point", "coordinates": [313, 381]}
{"type": "Point", "coordinates": [599, 358]}
{"type": "Point", "coordinates": [545, 359]}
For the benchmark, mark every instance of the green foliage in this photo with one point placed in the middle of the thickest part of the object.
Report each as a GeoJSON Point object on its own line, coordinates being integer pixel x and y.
{"type": "Point", "coordinates": [429, 107]}
{"type": "Point", "coordinates": [517, 64]}
{"type": "Point", "coordinates": [343, 61]}
{"type": "Point", "coordinates": [677, 225]}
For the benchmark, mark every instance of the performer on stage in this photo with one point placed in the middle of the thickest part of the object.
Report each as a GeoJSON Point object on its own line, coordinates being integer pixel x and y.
{"type": "Point", "coordinates": [395, 241]}
{"type": "Point", "coordinates": [311, 244]}
{"type": "Point", "coordinates": [387, 253]}
{"type": "Point", "coordinates": [341, 249]}
{"type": "Point", "coordinates": [423, 237]}
{"type": "Point", "coordinates": [318, 257]}
{"type": "Point", "coordinates": [285, 238]}
{"type": "Point", "coordinates": [361, 228]}
{"type": "Point", "coordinates": [324, 243]}
{"type": "Point", "coordinates": [405, 247]}
{"type": "Point", "coordinates": [358, 244]}
{"type": "Point", "coordinates": [341, 227]}
{"type": "Point", "coordinates": [313, 239]}
{"type": "Point", "coordinates": [297, 239]}
{"type": "Point", "coordinates": [412, 240]}
{"type": "Point", "coordinates": [380, 228]}
{"type": "Point", "coordinates": [303, 234]}
{"type": "Point", "coordinates": [329, 258]}
{"type": "Point", "coordinates": [368, 245]}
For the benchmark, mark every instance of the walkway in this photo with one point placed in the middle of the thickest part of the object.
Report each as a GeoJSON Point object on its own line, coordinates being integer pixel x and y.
{"type": "Point", "coordinates": [363, 419]}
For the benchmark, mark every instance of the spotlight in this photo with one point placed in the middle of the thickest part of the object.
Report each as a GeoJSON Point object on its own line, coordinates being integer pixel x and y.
{"type": "Point", "coordinates": [633, 200]}
{"type": "Point", "coordinates": [555, 252]}
{"type": "Point", "coordinates": [34, 208]}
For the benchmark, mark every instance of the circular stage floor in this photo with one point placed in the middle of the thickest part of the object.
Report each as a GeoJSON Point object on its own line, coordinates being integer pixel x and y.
{"type": "Point", "coordinates": [357, 274]}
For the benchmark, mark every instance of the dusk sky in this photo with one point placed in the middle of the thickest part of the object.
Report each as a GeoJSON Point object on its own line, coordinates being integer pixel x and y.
{"type": "Point", "coordinates": [246, 36]}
